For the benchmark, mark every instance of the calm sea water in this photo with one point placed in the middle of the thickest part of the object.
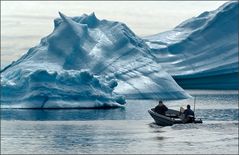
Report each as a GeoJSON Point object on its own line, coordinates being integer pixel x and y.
{"type": "Point", "coordinates": [124, 130]}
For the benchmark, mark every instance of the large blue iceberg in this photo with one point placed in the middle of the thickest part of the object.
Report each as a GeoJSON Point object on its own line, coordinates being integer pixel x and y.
{"type": "Point", "coordinates": [201, 52]}
{"type": "Point", "coordinates": [84, 63]}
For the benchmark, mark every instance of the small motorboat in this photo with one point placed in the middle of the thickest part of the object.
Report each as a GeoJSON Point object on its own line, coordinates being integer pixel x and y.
{"type": "Point", "coordinates": [171, 117]}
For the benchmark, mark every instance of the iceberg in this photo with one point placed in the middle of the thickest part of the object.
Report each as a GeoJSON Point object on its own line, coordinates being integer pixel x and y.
{"type": "Point", "coordinates": [86, 63]}
{"type": "Point", "coordinates": [201, 52]}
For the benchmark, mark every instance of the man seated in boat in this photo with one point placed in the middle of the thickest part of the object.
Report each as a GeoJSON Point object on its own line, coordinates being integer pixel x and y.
{"type": "Point", "coordinates": [160, 108]}
{"type": "Point", "coordinates": [188, 115]}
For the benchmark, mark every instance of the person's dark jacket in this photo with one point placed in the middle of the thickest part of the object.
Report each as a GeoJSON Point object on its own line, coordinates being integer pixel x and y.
{"type": "Point", "coordinates": [161, 109]}
{"type": "Point", "coordinates": [188, 112]}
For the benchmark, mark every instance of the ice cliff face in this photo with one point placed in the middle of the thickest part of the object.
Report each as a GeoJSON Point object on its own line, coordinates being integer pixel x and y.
{"type": "Point", "coordinates": [201, 52]}
{"type": "Point", "coordinates": [86, 62]}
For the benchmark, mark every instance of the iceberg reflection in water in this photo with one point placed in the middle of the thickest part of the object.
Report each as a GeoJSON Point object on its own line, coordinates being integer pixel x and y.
{"type": "Point", "coordinates": [121, 136]}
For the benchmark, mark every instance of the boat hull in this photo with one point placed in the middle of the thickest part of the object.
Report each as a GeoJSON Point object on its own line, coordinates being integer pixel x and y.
{"type": "Point", "coordinates": [171, 117]}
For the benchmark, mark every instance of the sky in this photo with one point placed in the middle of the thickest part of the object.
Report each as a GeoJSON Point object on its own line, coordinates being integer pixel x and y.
{"type": "Point", "coordinates": [24, 23]}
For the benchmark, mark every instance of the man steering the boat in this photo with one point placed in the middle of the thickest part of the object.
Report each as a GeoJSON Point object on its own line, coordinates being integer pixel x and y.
{"type": "Point", "coordinates": [188, 115]}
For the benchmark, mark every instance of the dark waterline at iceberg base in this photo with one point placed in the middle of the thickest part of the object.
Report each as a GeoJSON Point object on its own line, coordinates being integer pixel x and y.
{"type": "Point", "coordinates": [209, 107]}
{"type": "Point", "coordinates": [123, 130]}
